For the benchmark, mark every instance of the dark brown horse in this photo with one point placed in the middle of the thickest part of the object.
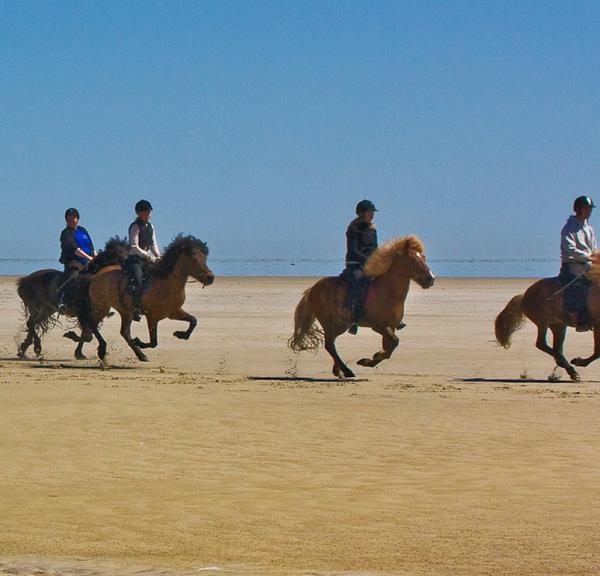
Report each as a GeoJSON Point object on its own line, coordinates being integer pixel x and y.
{"type": "Point", "coordinates": [543, 304]}
{"type": "Point", "coordinates": [40, 293]}
{"type": "Point", "coordinates": [185, 257]}
{"type": "Point", "coordinates": [391, 268]}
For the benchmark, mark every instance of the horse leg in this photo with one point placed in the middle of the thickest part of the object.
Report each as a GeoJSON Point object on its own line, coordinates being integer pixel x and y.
{"type": "Point", "coordinates": [41, 317]}
{"type": "Point", "coordinates": [86, 336]}
{"type": "Point", "coordinates": [389, 342]}
{"type": "Point", "coordinates": [585, 361]}
{"type": "Point", "coordinates": [153, 331]}
{"type": "Point", "coordinates": [29, 338]}
{"type": "Point", "coordinates": [101, 342]}
{"type": "Point", "coordinates": [558, 333]}
{"type": "Point", "coordinates": [185, 317]}
{"type": "Point", "coordinates": [339, 368]}
{"type": "Point", "coordinates": [72, 335]}
{"type": "Point", "coordinates": [126, 333]}
{"type": "Point", "coordinates": [31, 324]}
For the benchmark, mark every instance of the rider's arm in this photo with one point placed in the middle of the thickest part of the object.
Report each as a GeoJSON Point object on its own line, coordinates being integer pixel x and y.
{"type": "Point", "coordinates": [81, 254]}
{"type": "Point", "coordinates": [67, 242]}
{"type": "Point", "coordinates": [571, 249]}
{"type": "Point", "coordinates": [134, 242]}
{"type": "Point", "coordinates": [154, 249]}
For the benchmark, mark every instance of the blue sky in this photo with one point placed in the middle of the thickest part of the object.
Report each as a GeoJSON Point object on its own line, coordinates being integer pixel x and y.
{"type": "Point", "coordinates": [257, 126]}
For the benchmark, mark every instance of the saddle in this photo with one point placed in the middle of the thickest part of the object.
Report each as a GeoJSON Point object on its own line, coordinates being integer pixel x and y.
{"type": "Point", "coordinates": [147, 274]}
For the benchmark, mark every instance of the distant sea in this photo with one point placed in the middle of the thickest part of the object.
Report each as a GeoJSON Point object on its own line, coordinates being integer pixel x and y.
{"type": "Point", "coordinates": [460, 268]}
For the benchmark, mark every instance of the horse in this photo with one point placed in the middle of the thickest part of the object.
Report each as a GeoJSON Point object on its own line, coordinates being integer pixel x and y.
{"type": "Point", "coordinates": [40, 294]}
{"type": "Point", "coordinates": [184, 257]}
{"type": "Point", "coordinates": [390, 268]}
{"type": "Point", "coordinates": [543, 304]}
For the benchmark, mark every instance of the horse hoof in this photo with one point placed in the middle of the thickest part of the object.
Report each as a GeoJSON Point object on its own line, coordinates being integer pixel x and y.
{"type": "Point", "coordinates": [20, 355]}
{"type": "Point", "coordinates": [575, 377]}
{"type": "Point", "coordinates": [349, 374]}
{"type": "Point", "coordinates": [180, 334]}
{"type": "Point", "coordinates": [365, 362]}
{"type": "Point", "coordinates": [578, 362]}
{"type": "Point", "coordinates": [143, 358]}
{"type": "Point", "coordinates": [71, 336]}
{"type": "Point", "coordinates": [80, 357]}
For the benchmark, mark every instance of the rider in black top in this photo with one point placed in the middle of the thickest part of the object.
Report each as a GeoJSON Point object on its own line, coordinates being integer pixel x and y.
{"type": "Point", "coordinates": [361, 241]}
{"type": "Point", "coordinates": [143, 250]}
{"type": "Point", "coordinates": [77, 250]}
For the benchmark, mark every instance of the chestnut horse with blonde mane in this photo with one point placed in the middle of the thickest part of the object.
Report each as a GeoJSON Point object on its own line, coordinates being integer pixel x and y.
{"type": "Point", "coordinates": [185, 257]}
{"type": "Point", "coordinates": [543, 304]}
{"type": "Point", "coordinates": [390, 268]}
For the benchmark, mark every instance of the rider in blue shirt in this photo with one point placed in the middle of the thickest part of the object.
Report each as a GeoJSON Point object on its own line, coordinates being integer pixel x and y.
{"type": "Point", "coordinates": [77, 250]}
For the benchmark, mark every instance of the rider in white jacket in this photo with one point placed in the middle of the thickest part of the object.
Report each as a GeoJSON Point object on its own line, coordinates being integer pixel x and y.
{"type": "Point", "coordinates": [577, 244]}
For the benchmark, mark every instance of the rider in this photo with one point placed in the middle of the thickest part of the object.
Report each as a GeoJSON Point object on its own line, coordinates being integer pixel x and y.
{"type": "Point", "coordinates": [77, 251]}
{"type": "Point", "coordinates": [577, 244]}
{"type": "Point", "coordinates": [143, 249]}
{"type": "Point", "coordinates": [361, 241]}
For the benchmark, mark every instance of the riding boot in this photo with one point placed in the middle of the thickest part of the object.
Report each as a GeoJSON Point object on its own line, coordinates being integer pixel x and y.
{"type": "Point", "coordinates": [136, 313]}
{"type": "Point", "coordinates": [62, 307]}
{"type": "Point", "coordinates": [356, 309]}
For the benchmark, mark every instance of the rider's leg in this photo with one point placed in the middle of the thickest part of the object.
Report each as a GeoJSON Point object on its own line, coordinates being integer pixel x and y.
{"type": "Point", "coordinates": [137, 277]}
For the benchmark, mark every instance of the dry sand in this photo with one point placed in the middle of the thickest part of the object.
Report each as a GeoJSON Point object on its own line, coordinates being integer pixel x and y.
{"type": "Point", "coordinates": [228, 454]}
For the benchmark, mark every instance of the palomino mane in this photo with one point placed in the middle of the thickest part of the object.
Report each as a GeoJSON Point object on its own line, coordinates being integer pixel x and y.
{"type": "Point", "coordinates": [380, 261]}
{"type": "Point", "coordinates": [179, 245]}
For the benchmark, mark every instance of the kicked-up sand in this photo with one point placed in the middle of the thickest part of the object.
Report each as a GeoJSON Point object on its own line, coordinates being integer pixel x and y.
{"type": "Point", "coordinates": [228, 454]}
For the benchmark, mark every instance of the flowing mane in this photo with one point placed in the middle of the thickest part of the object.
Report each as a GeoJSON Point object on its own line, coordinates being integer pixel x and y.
{"type": "Point", "coordinates": [381, 260]}
{"type": "Point", "coordinates": [180, 245]}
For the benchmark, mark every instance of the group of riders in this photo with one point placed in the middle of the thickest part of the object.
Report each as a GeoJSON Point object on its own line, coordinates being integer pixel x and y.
{"type": "Point", "coordinates": [578, 243]}
{"type": "Point", "coordinates": [77, 252]}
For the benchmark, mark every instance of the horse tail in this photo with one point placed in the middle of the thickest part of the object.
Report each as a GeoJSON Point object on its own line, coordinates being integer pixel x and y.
{"type": "Point", "coordinates": [307, 335]}
{"type": "Point", "coordinates": [509, 320]}
{"type": "Point", "coordinates": [22, 292]}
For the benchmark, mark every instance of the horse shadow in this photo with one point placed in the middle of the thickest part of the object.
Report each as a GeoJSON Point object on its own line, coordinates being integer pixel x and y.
{"type": "Point", "coordinates": [519, 381]}
{"type": "Point", "coordinates": [304, 379]}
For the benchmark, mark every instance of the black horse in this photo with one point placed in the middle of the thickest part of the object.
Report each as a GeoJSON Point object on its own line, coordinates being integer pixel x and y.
{"type": "Point", "coordinates": [40, 293]}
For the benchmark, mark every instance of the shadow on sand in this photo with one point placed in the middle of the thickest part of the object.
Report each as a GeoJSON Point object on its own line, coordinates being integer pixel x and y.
{"type": "Point", "coordinates": [305, 379]}
{"type": "Point", "coordinates": [522, 381]}
{"type": "Point", "coordinates": [63, 366]}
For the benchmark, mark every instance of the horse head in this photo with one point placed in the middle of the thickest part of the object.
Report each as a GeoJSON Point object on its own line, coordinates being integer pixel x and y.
{"type": "Point", "coordinates": [197, 267]}
{"type": "Point", "coordinates": [415, 265]}
{"type": "Point", "coordinates": [403, 257]}
{"type": "Point", "coordinates": [188, 255]}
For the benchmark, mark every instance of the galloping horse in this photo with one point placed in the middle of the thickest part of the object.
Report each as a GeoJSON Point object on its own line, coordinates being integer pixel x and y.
{"type": "Point", "coordinates": [391, 267]}
{"type": "Point", "coordinates": [543, 304]}
{"type": "Point", "coordinates": [184, 257]}
{"type": "Point", "coordinates": [40, 293]}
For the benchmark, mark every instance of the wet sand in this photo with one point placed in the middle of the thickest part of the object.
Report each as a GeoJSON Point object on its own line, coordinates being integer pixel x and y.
{"type": "Point", "coordinates": [228, 454]}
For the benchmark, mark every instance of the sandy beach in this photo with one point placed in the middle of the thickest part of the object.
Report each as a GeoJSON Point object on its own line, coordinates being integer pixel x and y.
{"type": "Point", "coordinates": [229, 454]}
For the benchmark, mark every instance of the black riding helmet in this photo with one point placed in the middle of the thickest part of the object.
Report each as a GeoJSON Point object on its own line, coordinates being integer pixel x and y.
{"type": "Point", "coordinates": [72, 212]}
{"type": "Point", "coordinates": [582, 202]}
{"type": "Point", "coordinates": [365, 206]}
{"type": "Point", "coordinates": [143, 206]}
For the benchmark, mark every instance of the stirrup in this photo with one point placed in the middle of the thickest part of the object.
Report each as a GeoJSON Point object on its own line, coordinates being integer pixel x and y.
{"type": "Point", "coordinates": [353, 329]}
